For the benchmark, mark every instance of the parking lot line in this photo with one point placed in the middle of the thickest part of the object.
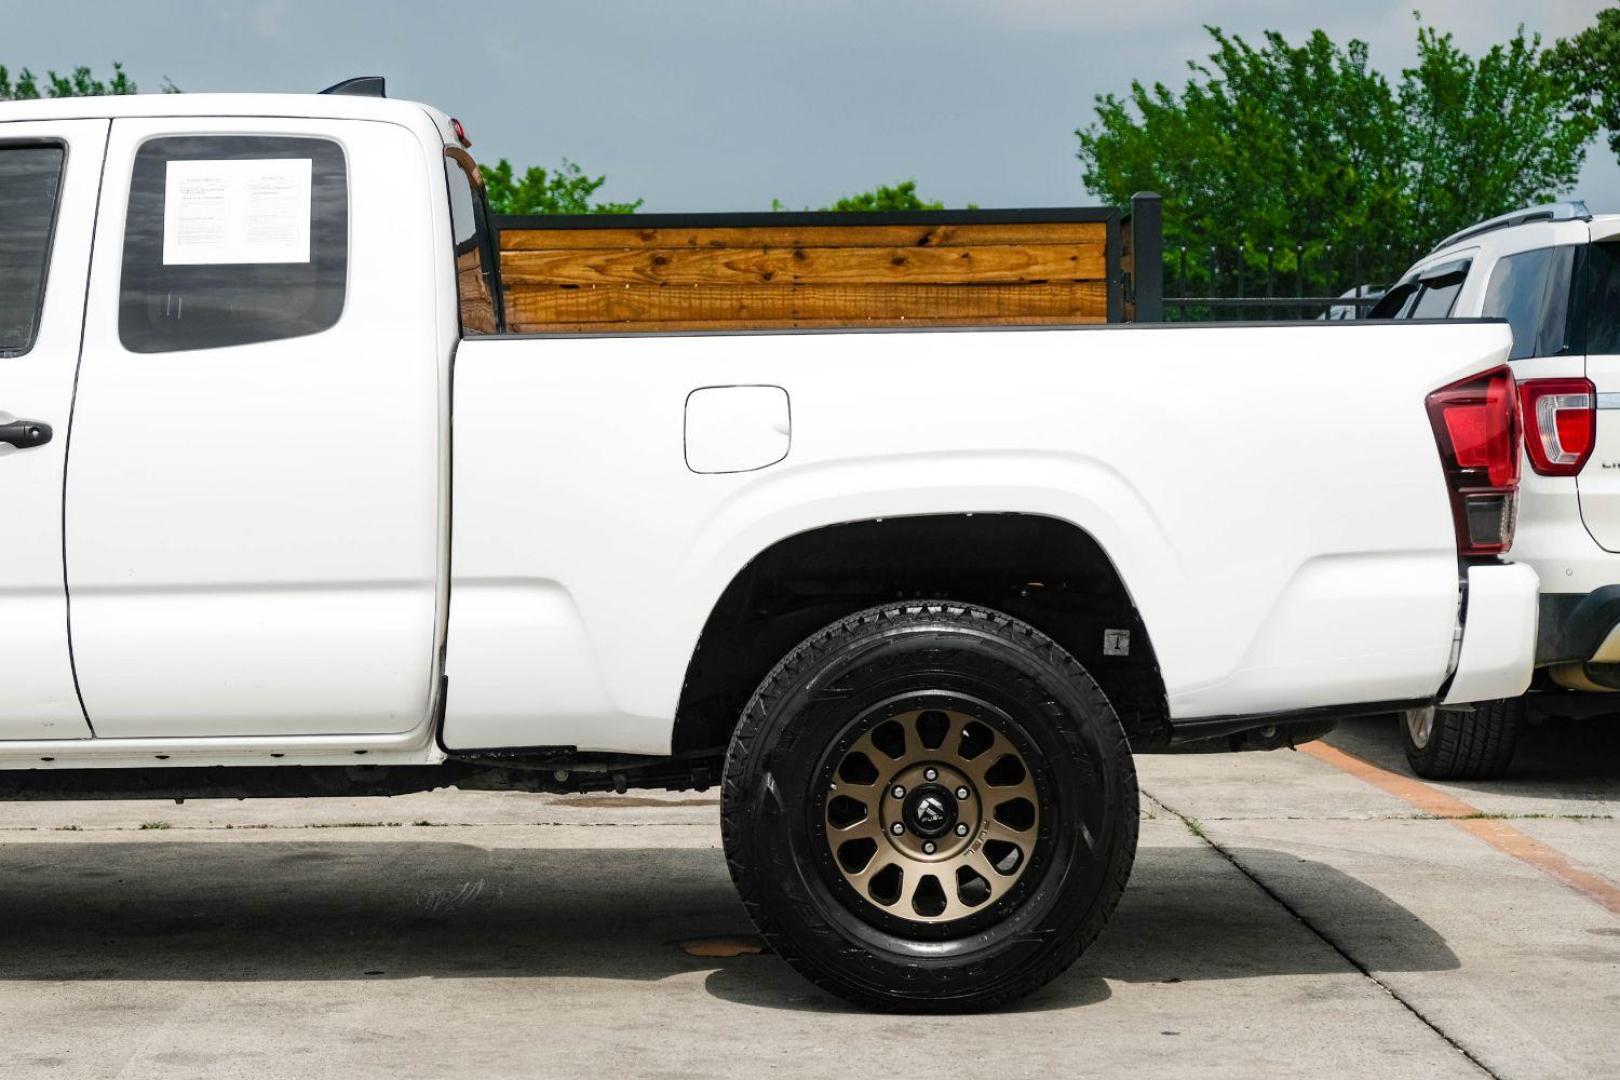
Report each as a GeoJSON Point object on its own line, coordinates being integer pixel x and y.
{"type": "Point", "coordinates": [1474, 821]}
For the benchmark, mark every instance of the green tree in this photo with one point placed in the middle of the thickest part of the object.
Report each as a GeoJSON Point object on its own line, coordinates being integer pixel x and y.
{"type": "Point", "coordinates": [1278, 144]}
{"type": "Point", "coordinates": [899, 196]}
{"type": "Point", "coordinates": [563, 190]}
{"type": "Point", "coordinates": [1486, 136]}
{"type": "Point", "coordinates": [1591, 61]}
{"type": "Point", "coordinates": [80, 82]}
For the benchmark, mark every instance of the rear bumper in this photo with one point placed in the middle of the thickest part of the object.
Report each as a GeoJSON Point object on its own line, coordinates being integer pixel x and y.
{"type": "Point", "coordinates": [1499, 644]}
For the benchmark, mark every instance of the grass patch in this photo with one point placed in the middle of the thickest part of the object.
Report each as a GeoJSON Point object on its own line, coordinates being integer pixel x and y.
{"type": "Point", "coordinates": [154, 825]}
{"type": "Point", "coordinates": [354, 825]}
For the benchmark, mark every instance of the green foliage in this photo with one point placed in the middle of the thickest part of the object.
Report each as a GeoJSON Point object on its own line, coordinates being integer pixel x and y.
{"type": "Point", "coordinates": [563, 190]}
{"type": "Point", "coordinates": [901, 196]}
{"type": "Point", "coordinates": [1591, 62]}
{"type": "Point", "coordinates": [1278, 144]}
{"type": "Point", "coordinates": [1486, 136]}
{"type": "Point", "coordinates": [80, 82]}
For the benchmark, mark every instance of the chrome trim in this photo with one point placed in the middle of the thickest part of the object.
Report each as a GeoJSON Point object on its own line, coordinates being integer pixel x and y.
{"type": "Point", "coordinates": [1608, 401]}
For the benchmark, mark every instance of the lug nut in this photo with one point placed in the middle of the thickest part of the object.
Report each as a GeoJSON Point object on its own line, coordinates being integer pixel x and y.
{"type": "Point", "coordinates": [962, 830]}
{"type": "Point", "coordinates": [897, 828]}
{"type": "Point", "coordinates": [930, 774]}
{"type": "Point", "coordinates": [928, 848]}
{"type": "Point", "coordinates": [961, 793]}
{"type": "Point", "coordinates": [898, 791]}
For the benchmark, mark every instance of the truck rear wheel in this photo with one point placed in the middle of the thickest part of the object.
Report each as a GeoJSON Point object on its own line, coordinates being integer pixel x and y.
{"type": "Point", "coordinates": [1442, 744]}
{"type": "Point", "coordinates": [929, 807]}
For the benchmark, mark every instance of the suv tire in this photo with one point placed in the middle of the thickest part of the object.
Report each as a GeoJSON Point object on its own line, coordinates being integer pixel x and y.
{"type": "Point", "coordinates": [1442, 744]}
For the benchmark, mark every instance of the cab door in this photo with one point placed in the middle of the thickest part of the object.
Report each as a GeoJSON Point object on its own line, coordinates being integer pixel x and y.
{"type": "Point", "coordinates": [254, 497]}
{"type": "Point", "coordinates": [48, 177]}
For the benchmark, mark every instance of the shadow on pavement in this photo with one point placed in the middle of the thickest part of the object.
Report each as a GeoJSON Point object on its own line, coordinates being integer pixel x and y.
{"type": "Point", "coordinates": [320, 910]}
{"type": "Point", "coordinates": [1556, 758]}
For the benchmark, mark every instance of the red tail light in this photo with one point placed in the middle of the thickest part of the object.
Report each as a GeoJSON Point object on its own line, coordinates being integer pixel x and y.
{"type": "Point", "coordinates": [1560, 421]}
{"type": "Point", "coordinates": [1476, 423]}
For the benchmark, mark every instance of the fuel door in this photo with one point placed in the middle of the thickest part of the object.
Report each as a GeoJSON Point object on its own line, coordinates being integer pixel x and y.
{"type": "Point", "coordinates": [733, 429]}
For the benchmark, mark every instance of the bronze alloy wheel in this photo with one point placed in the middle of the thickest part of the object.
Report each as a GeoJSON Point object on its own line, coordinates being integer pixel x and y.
{"type": "Point", "coordinates": [929, 806]}
{"type": "Point", "coordinates": [931, 814]}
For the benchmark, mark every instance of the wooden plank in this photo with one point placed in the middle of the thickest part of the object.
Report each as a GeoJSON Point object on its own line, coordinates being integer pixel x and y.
{"type": "Point", "coordinates": [531, 308]}
{"type": "Point", "coordinates": [477, 308]}
{"type": "Point", "coordinates": [836, 265]}
{"type": "Point", "coordinates": [821, 236]}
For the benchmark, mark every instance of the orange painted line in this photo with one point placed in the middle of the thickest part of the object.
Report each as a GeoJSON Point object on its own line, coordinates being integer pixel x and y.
{"type": "Point", "coordinates": [1469, 818]}
{"type": "Point", "coordinates": [1409, 790]}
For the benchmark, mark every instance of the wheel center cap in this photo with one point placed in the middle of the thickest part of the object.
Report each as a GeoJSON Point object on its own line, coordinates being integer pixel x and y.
{"type": "Point", "coordinates": [930, 812]}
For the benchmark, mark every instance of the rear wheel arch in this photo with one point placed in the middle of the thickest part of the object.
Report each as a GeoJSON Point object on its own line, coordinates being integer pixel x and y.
{"type": "Point", "coordinates": [1047, 571]}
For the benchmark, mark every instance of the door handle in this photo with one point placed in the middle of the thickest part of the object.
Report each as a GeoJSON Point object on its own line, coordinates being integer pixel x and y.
{"type": "Point", "coordinates": [25, 433]}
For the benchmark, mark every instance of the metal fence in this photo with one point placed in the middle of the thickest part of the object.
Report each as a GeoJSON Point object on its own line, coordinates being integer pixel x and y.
{"type": "Point", "coordinates": [1249, 282]}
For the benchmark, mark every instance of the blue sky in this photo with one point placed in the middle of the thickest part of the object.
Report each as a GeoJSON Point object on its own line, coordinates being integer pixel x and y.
{"type": "Point", "coordinates": [727, 104]}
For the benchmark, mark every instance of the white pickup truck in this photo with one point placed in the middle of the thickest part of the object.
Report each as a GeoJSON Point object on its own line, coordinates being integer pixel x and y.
{"type": "Point", "coordinates": [288, 514]}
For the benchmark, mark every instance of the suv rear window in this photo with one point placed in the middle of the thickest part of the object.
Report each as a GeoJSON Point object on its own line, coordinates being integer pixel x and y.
{"type": "Point", "coordinates": [1531, 291]}
{"type": "Point", "coordinates": [1602, 299]}
{"type": "Point", "coordinates": [30, 180]}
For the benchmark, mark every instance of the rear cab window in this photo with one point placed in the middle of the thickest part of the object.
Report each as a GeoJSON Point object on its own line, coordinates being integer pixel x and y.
{"type": "Point", "coordinates": [30, 189]}
{"type": "Point", "coordinates": [477, 284]}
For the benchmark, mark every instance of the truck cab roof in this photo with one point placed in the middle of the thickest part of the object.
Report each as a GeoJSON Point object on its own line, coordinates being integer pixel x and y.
{"type": "Point", "coordinates": [305, 106]}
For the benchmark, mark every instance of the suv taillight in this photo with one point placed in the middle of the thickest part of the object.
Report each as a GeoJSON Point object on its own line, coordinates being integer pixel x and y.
{"type": "Point", "coordinates": [1476, 424]}
{"type": "Point", "coordinates": [1560, 420]}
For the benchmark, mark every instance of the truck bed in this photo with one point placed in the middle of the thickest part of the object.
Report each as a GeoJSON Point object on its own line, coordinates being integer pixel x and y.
{"type": "Point", "coordinates": [676, 272]}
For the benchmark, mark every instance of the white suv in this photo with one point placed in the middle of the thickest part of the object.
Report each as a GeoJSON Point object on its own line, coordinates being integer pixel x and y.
{"type": "Point", "coordinates": [1553, 272]}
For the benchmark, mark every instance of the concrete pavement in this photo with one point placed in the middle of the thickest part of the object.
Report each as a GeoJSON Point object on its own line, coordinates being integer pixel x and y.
{"type": "Point", "coordinates": [1285, 919]}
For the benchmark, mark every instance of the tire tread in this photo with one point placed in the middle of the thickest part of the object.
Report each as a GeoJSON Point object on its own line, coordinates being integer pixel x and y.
{"type": "Point", "coordinates": [1475, 745]}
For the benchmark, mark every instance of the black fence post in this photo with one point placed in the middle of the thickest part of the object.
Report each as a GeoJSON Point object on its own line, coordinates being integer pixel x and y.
{"type": "Point", "coordinates": [1299, 275]}
{"type": "Point", "coordinates": [1181, 277]}
{"type": "Point", "coordinates": [1271, 279]}
{"type": "Point", "coordinates": [1147, 256]}
{"type": "Point", "coordinates": [1242, 262]}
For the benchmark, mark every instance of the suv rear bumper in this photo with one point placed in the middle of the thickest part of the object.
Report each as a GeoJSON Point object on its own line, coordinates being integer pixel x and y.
{"type": "Point", "coordinates": [1499, 645]}
{"type": "Point", "coordinates": [1579, 627]}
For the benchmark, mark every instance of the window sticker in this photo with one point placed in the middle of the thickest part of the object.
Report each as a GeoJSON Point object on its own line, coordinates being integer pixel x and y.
{"type": "Point", "coordinates": [225, 212]}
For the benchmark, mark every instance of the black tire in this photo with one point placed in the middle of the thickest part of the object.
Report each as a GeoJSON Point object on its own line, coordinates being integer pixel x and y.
{"type": "Point", "coordinates": [839, 684]}
{"type": "Point", "coordinates": [1475, 745]}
